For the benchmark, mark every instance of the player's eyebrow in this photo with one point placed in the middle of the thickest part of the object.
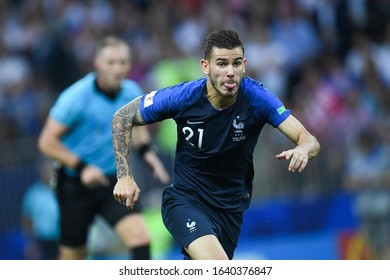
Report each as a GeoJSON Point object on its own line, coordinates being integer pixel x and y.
{"type": "Point", "coordinates": [234, 59]}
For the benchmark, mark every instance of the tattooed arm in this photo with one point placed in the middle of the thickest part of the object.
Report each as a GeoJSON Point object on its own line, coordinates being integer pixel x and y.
{"type": "Point", "coordinates": [126, 190]}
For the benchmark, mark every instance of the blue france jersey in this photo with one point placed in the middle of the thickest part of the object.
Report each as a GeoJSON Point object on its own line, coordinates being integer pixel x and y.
{"type": "Point", "coordinates": [87, 113]}
{"type": "Point", "coordinates": [214, 153]}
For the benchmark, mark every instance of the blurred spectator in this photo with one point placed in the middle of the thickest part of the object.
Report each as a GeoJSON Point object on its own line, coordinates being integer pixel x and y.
{"type": "Point", "coordinates": [367, 173]}
{"type": "Point", "coordinates": [40, 217]}
{"type": "Point", "coordinates": [364, 54]}
{"type": "Point", "coordinates": [291, 28]}
{"type": "Point", "coordinates": [267, 59]}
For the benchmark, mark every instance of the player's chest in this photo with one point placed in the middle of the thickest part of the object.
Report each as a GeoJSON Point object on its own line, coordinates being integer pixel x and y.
{"type": "Point", "coordinates": [205, 128]}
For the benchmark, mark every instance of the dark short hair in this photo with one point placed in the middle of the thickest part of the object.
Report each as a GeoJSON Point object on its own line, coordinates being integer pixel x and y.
{"type": "Point", "coordinates": [222, 39]}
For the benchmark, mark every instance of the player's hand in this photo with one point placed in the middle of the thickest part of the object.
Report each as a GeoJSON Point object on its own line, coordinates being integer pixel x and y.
{"type": "Point", "coordinates": [298, 159]}
{"type": "Point", "coordinates": [92, 176]}
{"type": "Point", "coordinates": [126, 192]}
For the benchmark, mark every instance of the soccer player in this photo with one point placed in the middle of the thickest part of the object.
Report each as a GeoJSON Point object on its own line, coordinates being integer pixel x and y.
{"type": "Point", "coordinates": [78, 134]}
{"type": "Point", "coordinates": [219, 120]}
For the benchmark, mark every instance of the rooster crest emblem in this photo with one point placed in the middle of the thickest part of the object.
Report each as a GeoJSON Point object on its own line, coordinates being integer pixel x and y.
{"type": "Point", "coordinates": [191, 226]}
{"type": "Point", "coordinates": [239, 126]}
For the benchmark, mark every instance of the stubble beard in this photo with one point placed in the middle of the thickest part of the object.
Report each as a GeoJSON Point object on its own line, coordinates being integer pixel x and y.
{"type": "Point", "coordinates": [226, 93]}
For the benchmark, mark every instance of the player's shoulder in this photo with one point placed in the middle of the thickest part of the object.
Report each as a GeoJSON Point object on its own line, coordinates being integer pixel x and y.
{"type": "Point", "coordinates": [249, 85]}
{"type": "Point", "coordinates": [185, 90]}
{"type": "Point", "coordinates": [195, 84]}
{"type": "Point", "coordinates": [169, 101]}
{"type": "Point", "coordinates": [187, 86]}
{"type": "Point", "coordinates": [253, 89]}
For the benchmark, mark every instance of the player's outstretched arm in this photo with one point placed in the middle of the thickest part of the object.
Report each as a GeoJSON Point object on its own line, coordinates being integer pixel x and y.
{"type": "Point", "coordinates": [123, 122]}
{"type": "Point", "coordinates": [126, 190]}
{"type": "Point", "coordinates": [307, 146]}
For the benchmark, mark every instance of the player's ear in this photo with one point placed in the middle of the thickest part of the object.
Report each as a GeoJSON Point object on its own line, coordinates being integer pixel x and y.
{"type": "Point", "coordinates": [204, 64]}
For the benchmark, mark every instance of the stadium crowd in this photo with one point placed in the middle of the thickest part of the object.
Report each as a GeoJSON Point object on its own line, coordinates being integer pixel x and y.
{"type": "Point", "coordinates": [329, 60]}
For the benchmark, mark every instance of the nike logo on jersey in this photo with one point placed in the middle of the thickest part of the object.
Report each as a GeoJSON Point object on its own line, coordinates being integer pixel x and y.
{"type": "Point", "coordinates": [190, 122]}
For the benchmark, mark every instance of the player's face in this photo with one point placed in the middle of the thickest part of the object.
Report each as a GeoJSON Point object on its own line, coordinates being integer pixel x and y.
{"type": "Point", "coordinates": [225, 70]}
{"type": "Point", "coordinates": [112, 65]}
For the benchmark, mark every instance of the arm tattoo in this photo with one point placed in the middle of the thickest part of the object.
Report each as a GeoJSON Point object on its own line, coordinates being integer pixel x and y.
{"type": "Point", "coordinates": [122, 126]}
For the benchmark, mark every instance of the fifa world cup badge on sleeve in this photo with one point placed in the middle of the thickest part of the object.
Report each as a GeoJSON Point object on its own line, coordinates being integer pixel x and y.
{"type": "Point", "coordinates": [149, 99]}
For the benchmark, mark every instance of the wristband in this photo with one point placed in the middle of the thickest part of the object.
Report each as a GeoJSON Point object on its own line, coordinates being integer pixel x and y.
{"type": "Point", "coordinates": [80, 166]}
{"type": "Point", "coordinates": [143, 149]}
